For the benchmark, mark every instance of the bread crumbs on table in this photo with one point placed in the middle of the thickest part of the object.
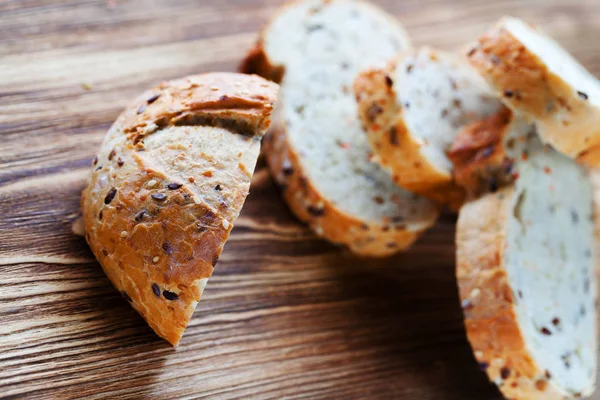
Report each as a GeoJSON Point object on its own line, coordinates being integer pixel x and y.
{"type": "Point", "coordinates": [547, 170]}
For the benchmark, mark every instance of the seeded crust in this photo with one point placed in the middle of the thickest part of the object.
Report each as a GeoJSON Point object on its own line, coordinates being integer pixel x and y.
{"type": "Point", "coordinates": [479, 156]}
{"type": "Point", "coordinates": [487, 302]}
{"type": "Point", "coordinates": [170, 178]}
{"type": "Point", "coordinates": [365, 238]}
{"type": "Point", "coordinates": [324, 218]}
{"type": "Point", "coordinates": [397, 150]}
{"type": "Point", "coordinates": [564, 116]}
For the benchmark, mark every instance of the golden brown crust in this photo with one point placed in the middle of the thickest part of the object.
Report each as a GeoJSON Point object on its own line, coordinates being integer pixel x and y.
{"type": "Point", "coordinates": [488, 301]}
{"type": "Point", "coordinates": [257, 62]}
{"type": "Point", "coordinates": [396, 149]}
{"type": "Point", "coordinates": [564, 116]}
{"type": "Point", "coordinates": [479, 157]}
{"type": "Point", "coordinates": [155, 235]}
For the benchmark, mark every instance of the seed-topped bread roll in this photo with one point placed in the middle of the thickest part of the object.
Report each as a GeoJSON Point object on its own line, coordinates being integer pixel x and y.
{"type": "Point", "coordinates": [526, 262]}
{"type": "Point", "coordinates": [537, 78]}
{"type": "Point", "coordinates": [169, 181]}
{"type": "Point", "coordinates": [318, 152]}
{"type": "Point", "coordinates": [412, 112]}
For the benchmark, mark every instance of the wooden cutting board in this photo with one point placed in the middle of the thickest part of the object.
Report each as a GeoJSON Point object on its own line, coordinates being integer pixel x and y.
{"type": "Point", "coordinates": [285, 315]}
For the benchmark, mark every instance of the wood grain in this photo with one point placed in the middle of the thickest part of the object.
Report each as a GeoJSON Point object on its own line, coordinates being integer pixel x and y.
{"type": "Point", "coordinates": [285, 315]}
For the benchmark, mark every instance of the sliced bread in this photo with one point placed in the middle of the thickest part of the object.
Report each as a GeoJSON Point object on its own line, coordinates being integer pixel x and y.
{"type": "Point", "coordinates": [526, 261]}
{"type": "Point", "coordinates": [169, 181]}
{"type": "Point", "coordinates": [412, 112]}
{"type": "Point", "coordinates": [317, 151]}
{"type": "Point", "coordinates": [537, 78]}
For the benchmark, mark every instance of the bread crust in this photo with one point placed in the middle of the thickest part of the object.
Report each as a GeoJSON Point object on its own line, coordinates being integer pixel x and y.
{"type": "Point", "coordinates": [325, 219]}
{"type": "Point", "coordinates": [364, 238]}
{"type": "Point", "coordinates": [480, 160]}
{"type": "Point", "coordinates": [488, 302]}
{"type": "Point", "coordinates": [397, 150]}
{"type": "Point", "coordinates": [156, 236]}
{"type": "Point", "coordinates": [564, 116]}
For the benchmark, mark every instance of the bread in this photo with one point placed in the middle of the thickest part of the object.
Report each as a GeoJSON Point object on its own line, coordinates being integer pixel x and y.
{"type": "Point", "coordinates": [413, 110]}
{"type": "Point", "coordinates": [317, 151]}
{"type": "Point", "coordinates": [540, 80]}
{"type": "Point", "coordinates": [169, 181]}
{"type": "Point", "coordinates": [526, 261]}
{"type": "Point", "coordinates": [484, 153]}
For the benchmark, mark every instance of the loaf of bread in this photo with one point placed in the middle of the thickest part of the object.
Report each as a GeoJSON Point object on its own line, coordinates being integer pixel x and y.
{"type": "Point", "coordinates": [317, 151]}
{"type": "Point", "coordinates": [413, 110]}
{"type": "Point", "coordinates": [169, 181]}
{"type": "Point", "coordinates": [537, 78]}
{"type": "Point", "coordinates": [526, 259]}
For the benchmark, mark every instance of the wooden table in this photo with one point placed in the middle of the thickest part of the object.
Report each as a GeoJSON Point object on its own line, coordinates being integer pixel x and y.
{"type": "Point", "coordinates": [285, 315]}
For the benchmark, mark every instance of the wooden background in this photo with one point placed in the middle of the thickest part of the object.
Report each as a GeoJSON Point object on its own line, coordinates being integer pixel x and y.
{"type": "Point", "coordinates": [285, 315]}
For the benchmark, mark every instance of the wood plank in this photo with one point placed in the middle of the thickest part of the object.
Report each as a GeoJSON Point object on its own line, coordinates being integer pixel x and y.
{"type": "Point", "coordinates": [285, 315]}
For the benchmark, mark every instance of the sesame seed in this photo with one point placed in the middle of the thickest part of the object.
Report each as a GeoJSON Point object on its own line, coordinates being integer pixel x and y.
{"type": "Point", "coordinates": [264, 85]}
{"type": "Point", "coordinates": [214, 88]}
{"type": "Point", "coordinates": [159, 196]}
{"type": "Point", "coordinates": [155, 259]}
{"type": "Point", "coordinates": [197, 200]}
{"type": "Point", "coordinates": [124, 234]}
{"type": "Point", "coordinates": [151, 183]}
{"type": "Point", "coordinates": [245, 92]}
{"type": "Point", "coordinates": [225, 224]}
{"type": "Point", "coordinates": [237, 84]}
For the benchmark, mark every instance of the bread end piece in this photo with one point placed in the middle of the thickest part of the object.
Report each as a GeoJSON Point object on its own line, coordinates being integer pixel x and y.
{"type": "Point", "coordinates": [156, 221]}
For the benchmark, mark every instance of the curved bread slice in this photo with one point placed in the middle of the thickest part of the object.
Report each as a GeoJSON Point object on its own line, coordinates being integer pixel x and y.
{"type": "Point", "coordinates": [413, 111]}
{"type": "Point", "coordinates": [318, 152]}
{"type": "Point", "coordinates": [170, 178]}
{"type": "Point", "coordinates": [539, 79]}
{"type": "Point", "coordinates": [526, 273]}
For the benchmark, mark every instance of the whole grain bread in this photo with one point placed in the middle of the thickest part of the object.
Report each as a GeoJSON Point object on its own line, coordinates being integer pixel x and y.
{"type": "Point", "coordinates": [537, 78]}
{"type": "Point", "coordinates": [412, 111]}
{"type": "Point", "coordinates": [169, 181]}
{"type": "Point", "coordinates": [317, 150]}
{"type": "Point", "coordinates": [526, 261]}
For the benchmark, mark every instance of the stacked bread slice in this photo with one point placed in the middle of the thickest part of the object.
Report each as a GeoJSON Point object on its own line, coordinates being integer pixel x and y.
{"type": "Point", "coordinates": [526, 255]}
{"type": "Point", "coordinates": [535, 76]}
{"type": "Point", "coordinates": [317, 149]}
{"type": "Point", "coordinates": [412, 111]}
{"type": "Point", "coordinates": [501, 131]}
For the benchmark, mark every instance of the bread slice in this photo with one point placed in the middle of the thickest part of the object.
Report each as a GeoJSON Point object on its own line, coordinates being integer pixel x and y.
{"type": "Point", "coordinates": [318, 152]}
{"type": "Point", "coordinates": [169, 181]}
{"type": "Point", "coordinates": [538, 78]}
{"type": "Point", "coordinates": [526, 262]}
{"type": "Point", "coordinates": [412, 112]}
